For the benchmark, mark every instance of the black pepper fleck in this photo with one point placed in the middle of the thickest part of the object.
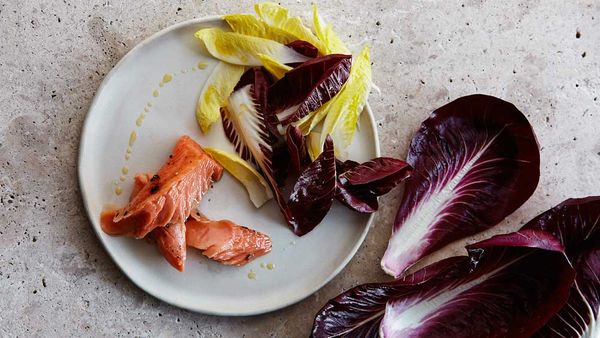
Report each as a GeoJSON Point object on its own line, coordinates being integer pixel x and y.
{"type": "Point", "coordinates": [154, 178]}
{"type": "Point", "coordinates": [577, 34]}
{"type": "Point", "coordinates": [154, 189]}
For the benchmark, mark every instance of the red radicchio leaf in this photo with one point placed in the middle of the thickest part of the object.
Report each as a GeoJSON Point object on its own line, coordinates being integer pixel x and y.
{"type": "Point", "coordinates": [358, 311]}
{"type": "Point", "coordinates": [250, 127]}
{"type": "Point", "coordinates": [307, 87]}
{"type": "Point", "coordinates": [379, 175]}
{"type": "Point", "coordinates": [361, 201]}
{"type": "Point", "coordinates": [313, 192]}
{"type": "Point", "coordinates": [576, 223]}
{"type": "Point", "coordinates": [304, 48]}
{"type": "Point", "coordinates": [498, 291]}
{"type": "Point", "coordinates": [355, 199]}
{"type": "Point", "coordinates": [246, 124]}
{"type": "Point", "coordinates": [475, 161]}
{"type": "Point", "coordinates": [360, 184]}
{"type": "Point", "coordinates": [297, 150]}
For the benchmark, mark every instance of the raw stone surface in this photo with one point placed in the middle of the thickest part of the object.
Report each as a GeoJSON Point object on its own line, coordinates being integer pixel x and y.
{"type": "Point", "coordinates": [55, 277]}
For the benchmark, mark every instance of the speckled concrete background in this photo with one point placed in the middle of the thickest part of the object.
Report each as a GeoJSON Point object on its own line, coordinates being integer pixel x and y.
{"type": "Point", "coordinates": [57, 280]}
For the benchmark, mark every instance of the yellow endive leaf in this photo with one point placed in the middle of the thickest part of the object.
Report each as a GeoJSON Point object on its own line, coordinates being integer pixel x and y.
{"type": "Point", "coordinates": [278, 16]}
{"type": "Point", "coordinates": [257, 187]}
{"type": "Point", "coordinates": [243, 49]}
{"type": "Point", "coordinates": [215, 93]}
{"type": "Point", "coordinates": [332, 43]}
{"type": "Point", "coordinates": [314, 145]}
{"type": "Point", "coordinates": [343, 110]}
{"type": "Point", "coordinates": [276, 69]}
{"type": "Point", "coordinates": [248, 24]}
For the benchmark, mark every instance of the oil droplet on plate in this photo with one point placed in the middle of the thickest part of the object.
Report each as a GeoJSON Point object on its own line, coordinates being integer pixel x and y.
{"type": "Point", "coordinates": [147, 109]}
{"type": "Point", "coordinates": [129, 150]}
{"type": "Point", "coordinates": [251, 274]}
{"type": "Point", "coordinates": [155, 93]}
{"type": "Point", "coordinates": [167, 78]}
{"type": "Point", "coordinates": [127, 156]}
{"type": "Point", "coordinates": [132, 138]}
{"type": "Point", "coordinates": [149, 104]}
{"type": "Point", "coordinates": [194, 69]}
{"type": "Point", "coordinates": [118, 190]}
{"type": "Point", "coordinates": [125, 170]}
{"type": "Point", "coordinates": [270, 266]}
{"type": "Point", "coordinates": [139, 120]}
{"type": "Point", "coordinates": [122, 178]}
{"type": "Point", "coordinates": [202, 65]}
{"type": "Point", "coordinates": [262, 265]}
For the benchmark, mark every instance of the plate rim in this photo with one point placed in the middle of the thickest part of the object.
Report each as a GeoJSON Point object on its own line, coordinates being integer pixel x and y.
{"type": "Point", "coordinates": [199, 309]}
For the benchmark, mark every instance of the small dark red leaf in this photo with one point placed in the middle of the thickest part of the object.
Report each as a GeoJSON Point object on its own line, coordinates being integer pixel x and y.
{"type": "Point", "coordinates": [357, 200]}
{"type": "Point", "coordinates": [312, 195]}
{"type": "Point", "coordinates": [307, 87]}
{"type": "Point", "coordinates": [304, 48]}
{"type": "Point", "coordinates": [378, 176]}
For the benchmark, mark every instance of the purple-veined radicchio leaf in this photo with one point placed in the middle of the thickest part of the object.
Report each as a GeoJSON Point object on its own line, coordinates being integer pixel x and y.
{"type": "Point", "coordinates": [304, 48]}
{"type": "Point", "coordinates": [297, 150]}
{"type": "Point", "coordinates": [307, 87]}
{"type": "Point", "coordinates": [475, 161]}
{"type": "Point", "coordinates": [576, 223]}
{"type": "Point", "coordinates": [510, 292]}
{"type": "Point", "coordinates": [358, 311]}
{"type": "Point", "coordinates": [312, 195]}
{"type": "Point", "coordinates": [509, 286]}
{"type": "Point", "coordinates": [250, 128]}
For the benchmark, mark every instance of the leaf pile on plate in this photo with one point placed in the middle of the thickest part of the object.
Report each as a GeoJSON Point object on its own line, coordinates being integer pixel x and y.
{"type": "Point", "coordinates": [317, 76]}
{"type": "Point", "coordinates": [475, 161]}
{"type": "Point", "coordinates": [253, 128]}
{"type": "Point", "coordinates": [289, 98]}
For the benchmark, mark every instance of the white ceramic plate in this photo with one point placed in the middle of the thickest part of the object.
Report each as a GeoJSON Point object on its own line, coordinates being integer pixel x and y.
{"type": "Point", "coordinates": [302, 265]}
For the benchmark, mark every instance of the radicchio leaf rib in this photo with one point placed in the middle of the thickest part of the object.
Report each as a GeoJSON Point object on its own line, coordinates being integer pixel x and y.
{"type": "Point", "coordinates": [475, 161]}
{"type": "Point", "coordinates": [296, 145]}
{"type": "Point", "coordinates": [505, 288]}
